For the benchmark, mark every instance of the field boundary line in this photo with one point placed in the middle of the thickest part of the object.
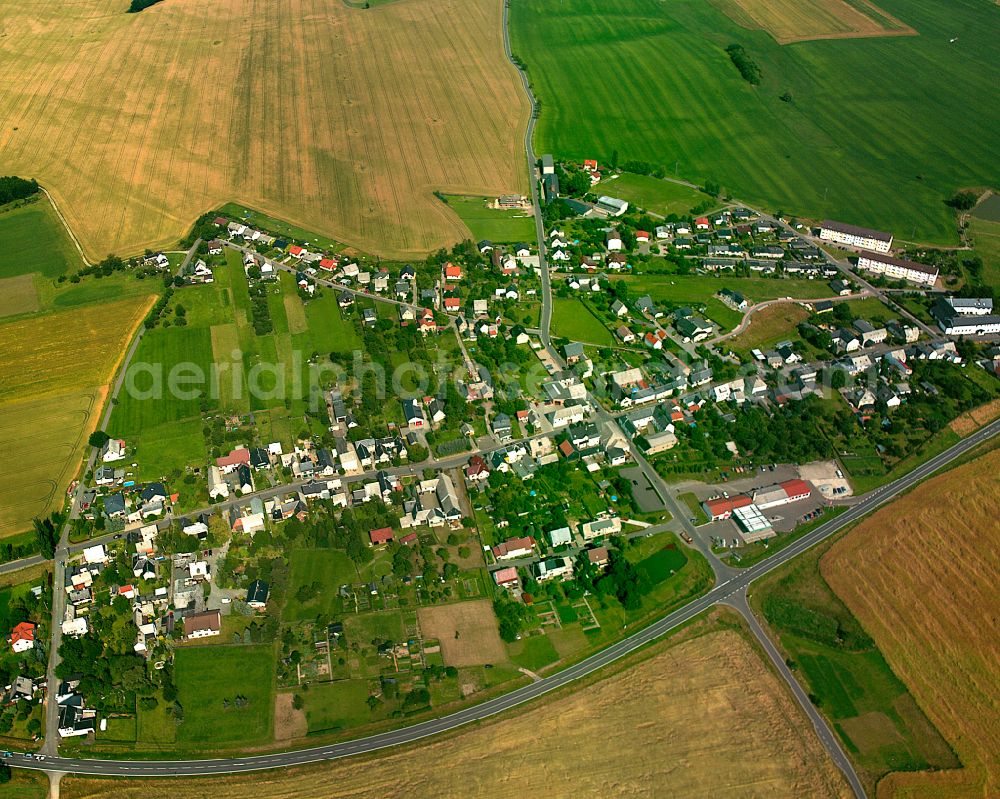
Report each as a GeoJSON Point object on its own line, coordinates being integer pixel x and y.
{"type": "Point", "coordinates": [65, 224]}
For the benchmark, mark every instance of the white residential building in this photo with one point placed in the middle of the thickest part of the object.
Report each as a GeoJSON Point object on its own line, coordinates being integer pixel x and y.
{"type": "Point", "coordinates": [854, 236]}
{"type": "Point", "coordinates": [898, 269]}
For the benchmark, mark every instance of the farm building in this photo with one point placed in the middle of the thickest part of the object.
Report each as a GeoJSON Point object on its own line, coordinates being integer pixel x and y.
{"type": "Point", "coordinates": [612, 206]}
{"type": "Point", "coordinates": [753, 524]}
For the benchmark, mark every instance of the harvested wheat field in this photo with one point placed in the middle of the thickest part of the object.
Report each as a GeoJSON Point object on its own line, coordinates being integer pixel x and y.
{"type": "Point", "coordinates": [921, 575]}
{"type": "Point", "coordinates": [970, 421]}
{"type": "Point", "coordinates": [342, 120]}
{"type": "Point", "coordinates": [467, 631]}
{"type": "Point", "coordinates": [77, 348]}
{"type": "Point", "coordinates": [702, 718]}
{"type": "Point", "coordinates": [53, 386]}
{"type": "Point", "coordinates": [798, 21]}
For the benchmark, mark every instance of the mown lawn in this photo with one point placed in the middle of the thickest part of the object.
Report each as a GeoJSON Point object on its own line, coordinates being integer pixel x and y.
{"type": "Point", "coordinates": [498, 225]}
{"type": "Point", "coordinates": [986, 236]}
{"type": "Point", "coordinates": [147, 399]}
{"type": "Point", "coordinates": [209, 677]}
{"type": "Point", "coordinates": [573, 320]}
{"type": "Point", "coordinates": [336, 705]}
{"type": "Point", "coordinates": [533, 653]}
{"type": "Point", "coordinates": [315, 575]}
{"type": "Point", "coordinates": [652, 194]}
{"type": "Point", "coordinates": [660, 88]}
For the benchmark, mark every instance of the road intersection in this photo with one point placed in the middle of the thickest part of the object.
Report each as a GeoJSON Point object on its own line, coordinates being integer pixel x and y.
{"type": "Point", "coordinates": [730, 589]}
{"type": "Point", "coordinates": [730, 592]}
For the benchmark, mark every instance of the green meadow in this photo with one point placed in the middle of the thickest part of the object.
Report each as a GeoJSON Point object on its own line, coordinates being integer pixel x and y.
{"type": "Point", "coordinates": [495, 224]}
{"type": "Point", "coordinates": [573, 320]}
{"type": "Point", "coordinates": [878, 131]}
{"type": "Point", "coordinates": [652, 194]}
{"type": "Point", "coordinates": [209, 680]}
{"type": "Point", "coordinates": [34, 241]}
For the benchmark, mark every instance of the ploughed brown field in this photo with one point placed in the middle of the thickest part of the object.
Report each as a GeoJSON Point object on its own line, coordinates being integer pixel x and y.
{"type": "Point", "coordinates": [921, 575]}
{"type": "Point", "coordinates": [802, 20]}
{"type": "Point", "coordinates": [703, 717]}
{"type": "Point", "coordinates": [341, 120]}
{"type": "Point", "coordinates": [467, 631]}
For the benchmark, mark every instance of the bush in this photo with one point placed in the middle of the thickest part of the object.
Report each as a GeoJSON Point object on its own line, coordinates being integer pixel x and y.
{"type": "Point", "coordinates": [962, 201]}
{"type": "Point", "coordinates": [98, 438]}
{"type": "Point", "coordinates": [138, 5]}
{"type": "Point", "coordinates": [747, 66]}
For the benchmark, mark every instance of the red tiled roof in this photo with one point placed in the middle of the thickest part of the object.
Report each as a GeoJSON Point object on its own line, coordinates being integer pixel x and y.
{"type": "Point", "coordinates": [504, 576]}
{"type": "Point", "coordinates": [381, 536]}
{"type": "Point", "coordinates": [327, 263]}
{"type": "Point", "coordinates": [408, 539]}
{"type": "Point", "coordinates": [726, 505]}
{"type": "Point", "coordinates": [796, 488]}
{"type": "Point", "coordinates": [25, 631]}
{"type": "Point", "coordinates": [512, 545]}
{"type": "Point", "coordinates": [234, 458]}
{"type": "Point", "coordinates": [566, 448]}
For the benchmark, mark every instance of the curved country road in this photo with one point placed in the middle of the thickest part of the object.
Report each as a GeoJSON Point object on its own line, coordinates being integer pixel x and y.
{"type": "Point", "coordinates": [527, 693]}
{"type": "Point", "coordinates": [721, 593]}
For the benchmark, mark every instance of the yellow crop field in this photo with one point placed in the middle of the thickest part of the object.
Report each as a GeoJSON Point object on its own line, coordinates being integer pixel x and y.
{"type": "Point", "coordinates": [704, 717]}
{"type": "Point", "coordinates": [921, 576]}
{"type": "Point", "coordinates": [41, 441]}
{"type": "Point", "coordinates": [53, 353]}
{"type": "Point", "coordinates": [52, 389]}
{"type": "Point", "coordinates": [796, 20]}
{"type": "Point", "coordinates": [342, 120]}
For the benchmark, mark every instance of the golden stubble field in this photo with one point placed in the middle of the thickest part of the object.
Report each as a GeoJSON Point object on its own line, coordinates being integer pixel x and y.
{"type": "Point", "coordinates": [339, 119]}
{"type": "Point", "coordinates": [703, 718]}
{"type": "Point", "coordinates": [789, 21]}
{"type": "Point", "coordinates": [52, 389]}
{"type": "Point", "coordinates": [921, 575]}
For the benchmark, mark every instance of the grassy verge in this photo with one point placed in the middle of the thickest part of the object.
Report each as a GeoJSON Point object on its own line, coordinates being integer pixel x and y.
{"type": "Point", "coordinates": [845, 674]}
{"type": "Point", "coordinates": [694, 505]}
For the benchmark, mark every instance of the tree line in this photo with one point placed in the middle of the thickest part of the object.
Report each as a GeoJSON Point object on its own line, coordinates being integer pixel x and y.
{"type": "Point", "coordinates": [138, 5]}
{"type": "Point", "coordinates": [15, 188]}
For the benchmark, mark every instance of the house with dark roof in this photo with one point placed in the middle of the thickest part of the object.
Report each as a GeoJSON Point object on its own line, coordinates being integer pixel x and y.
{"type": "Point", "coordinates": [257, 593]}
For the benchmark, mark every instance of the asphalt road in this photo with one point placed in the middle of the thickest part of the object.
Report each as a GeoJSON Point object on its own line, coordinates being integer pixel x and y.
{"type": "Point", "coordinates": [722, 593]}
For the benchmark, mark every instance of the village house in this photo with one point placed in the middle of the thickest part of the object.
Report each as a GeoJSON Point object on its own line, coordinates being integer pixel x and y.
{"type": "Point", "coordinates": [514, 548]}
